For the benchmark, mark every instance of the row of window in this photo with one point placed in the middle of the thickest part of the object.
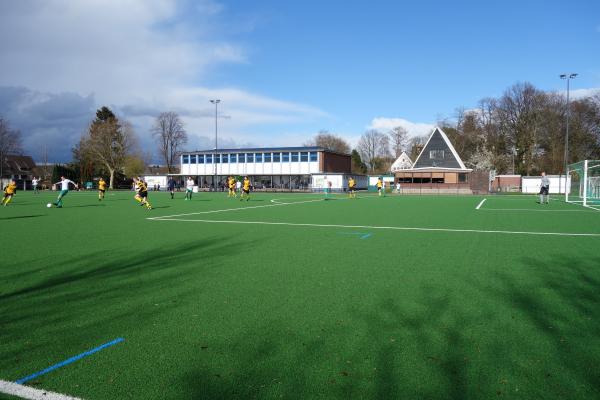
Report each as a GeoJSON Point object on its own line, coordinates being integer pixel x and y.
{"type": "Point", "coordinates": [303, 156]}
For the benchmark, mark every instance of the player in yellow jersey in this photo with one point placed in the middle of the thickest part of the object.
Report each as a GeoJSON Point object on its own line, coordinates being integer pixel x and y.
{"type": "Point", "coordinates": [142, 193]}
{"type": "Point", "coordinates": [101, 189]}
{"type": "Point", "coordinates": [352, 188]}
{"type": "Point", "coordinates": [245, 189]}
{"type": "Point", "coordinates": [231, 186]}
{"type": "Point", "coordinates": [9, 192]}
{"type": "Point", "coordinates": [380, 186]}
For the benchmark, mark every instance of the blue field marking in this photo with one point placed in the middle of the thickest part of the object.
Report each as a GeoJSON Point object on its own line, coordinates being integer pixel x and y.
{"type": "Point", "coordinates": [362, 235]}
{"type": "Point", "coordinates": [69, 361]}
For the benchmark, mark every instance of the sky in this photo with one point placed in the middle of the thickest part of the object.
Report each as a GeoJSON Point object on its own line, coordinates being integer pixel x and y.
{"type": "Point", "coordinates": [283, 70]}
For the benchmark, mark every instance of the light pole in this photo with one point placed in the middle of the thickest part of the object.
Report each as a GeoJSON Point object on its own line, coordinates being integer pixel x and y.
{"type": "Point", "coordinates": [568, 77]}
{"type": "Point", "coordinates": [216, 103]}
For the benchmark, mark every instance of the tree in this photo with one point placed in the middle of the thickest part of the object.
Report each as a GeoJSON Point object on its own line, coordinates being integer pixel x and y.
{"type": "Point", "coordinates": [10, 142]}
{"type": "Point", "coordinates": [329, 141]}
{"type": "Point", "coordinates": [358, 166]}
{"type": "Point", "coordinates": [372, 145]}
{"type": "Point", "coordinates": [170, 136]}
{"type": "Point", "coordinates": [133, 166]}
{"type": "Point", "coordinates": [399, 139]}
{"type": "Point", "coordinates": [108, 141]}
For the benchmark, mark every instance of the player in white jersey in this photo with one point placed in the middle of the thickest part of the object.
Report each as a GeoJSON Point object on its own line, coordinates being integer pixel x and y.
{"type": "Point", "coordinates": [189, 188]}
{"type": "Point", "coordinates": [64, 189]}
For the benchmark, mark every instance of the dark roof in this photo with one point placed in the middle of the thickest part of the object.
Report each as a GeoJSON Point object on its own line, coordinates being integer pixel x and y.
{"type": "Point", "coordinates": [265, 149]}
{"type": "Point", "coordinates": [18, 165]}
{"type": "Point", "coordinates": [438, 141]}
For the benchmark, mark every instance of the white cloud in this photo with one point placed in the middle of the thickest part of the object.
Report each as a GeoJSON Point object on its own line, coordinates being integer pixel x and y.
{"type": "Point", "coordinates": [582, 93]}
{"type": "Point", "coordinates": [140, 57]}
{"type": "Point", "coordinates": [414, 128]}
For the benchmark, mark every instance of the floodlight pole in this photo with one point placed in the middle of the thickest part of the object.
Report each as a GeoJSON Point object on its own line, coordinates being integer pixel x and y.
{"type": "Point", "coordinates": [216, 103]}
{"type": "Point", "coordinates": [568, 77]}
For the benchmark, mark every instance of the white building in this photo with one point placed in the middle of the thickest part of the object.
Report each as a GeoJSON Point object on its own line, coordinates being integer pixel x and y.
{"type": "Point", "coordinates": [267, 168]}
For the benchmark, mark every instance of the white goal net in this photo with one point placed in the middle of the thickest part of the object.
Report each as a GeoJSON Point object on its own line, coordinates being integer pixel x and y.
{"type": "Point", "coordinates": [585, 183]}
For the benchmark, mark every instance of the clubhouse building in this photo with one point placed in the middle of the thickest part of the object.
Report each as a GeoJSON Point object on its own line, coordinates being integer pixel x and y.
{"type": "Point", "coordinates": [438, 166]}
{"type": "Point", "coordinates": [284, 168]}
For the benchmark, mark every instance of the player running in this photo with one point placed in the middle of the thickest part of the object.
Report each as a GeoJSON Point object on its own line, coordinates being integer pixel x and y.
{"type": "Point", "coordinates": [141, 195]}
{"type": "Point", "coordinates": [101, 189]}
{"type": "Point", "coordinates": [245, 189]}
{"type": "Point", "coordinates": [231, 186]}
{"type": "Point", "coordinates": [380, 186]}
{"type": "Point", "coordinates": [238, 187]}
{"type": "Point", "coordinates": [9, 192]}
{"type": "Point", "coordinates": [352, 188]}
{"type": "Point", "coordinates": [64, 190]}
{"type": "Point", "coordinates": [189, 188]}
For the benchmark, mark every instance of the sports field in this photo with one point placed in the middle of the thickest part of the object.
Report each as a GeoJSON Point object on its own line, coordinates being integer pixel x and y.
{"type": "Point", "coordinates": [289, 296]}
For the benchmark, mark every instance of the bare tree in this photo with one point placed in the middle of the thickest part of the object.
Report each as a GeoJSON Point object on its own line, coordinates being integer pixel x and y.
{"type": "Point", "coordinates": [329, 141]}
{"type": "Point", "coordinates": [108, 141]}
{"type": "Point", "coordinates": [170, 135]}
{"type": "Point", "coordinates": [373, 146]}
{"type": "Point", "coordinates": [399, 139]}
{"type": "Point", "coordinates": [10, 143]}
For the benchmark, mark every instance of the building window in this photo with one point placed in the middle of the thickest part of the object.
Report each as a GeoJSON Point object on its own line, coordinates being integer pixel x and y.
{"type": "Point", "coordinates": [200, 158]}
{"type": "Point", "coordinates": [462, 178]}
{"type": "Point", "coordinates": [304, 156]}
{"type": "Point", "coordinates": [242, 157]}
{"type": "Point", "coordinates": [233, 158]}
{"type": "Point", "coordinates": [294, 156]}
{"type": "Point", "coordinates": [436, 154]}
{"type": "Point", "coordinates": [285, 157]}
{"type": "Point", "coordinates": [217, 158]}
{"type": "Point", "coordinates": [314, 156]}
{"type": "Point", "coordinates": [258, 157]}
{"type": "Point", "coordinates": [186, 159]}
{"type": "Point", "coordinates": [276, 157]}
{"type": "Point", "coordinates": [209, 158]}
{"type": "Point", "coordinates": [192, 159]}
{"type": "Point", "coordinates": [225, 158]}
{"type": "Point", "coordinates": [267, 157]}
{"type": "Point", "coordinates": [249, 157]}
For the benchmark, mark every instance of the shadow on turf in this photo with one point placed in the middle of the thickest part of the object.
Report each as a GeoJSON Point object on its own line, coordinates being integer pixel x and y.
{"type": "Point", "coordinates": [75, 292]}
{"type": "Point", "coordinates": [23, 216]}
{"type": "Point", "coordinates": [524, 339]}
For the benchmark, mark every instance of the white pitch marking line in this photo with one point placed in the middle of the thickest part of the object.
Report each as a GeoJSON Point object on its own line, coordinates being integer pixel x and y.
{"type": "Point", "coordinates": [26, 392]}
{"type": "Point", "coordinates": [480, 204]}
{"type": "Point", "coordinates": [398, 228]}
{"type": "Point", "coordinates": [232, 209]}
{"type": "Point", "coordinates": [532, 209]}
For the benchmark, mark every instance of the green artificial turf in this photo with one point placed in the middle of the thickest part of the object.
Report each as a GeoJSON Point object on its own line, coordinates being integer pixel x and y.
{"type": "Point", "coordinates": [252, 310]}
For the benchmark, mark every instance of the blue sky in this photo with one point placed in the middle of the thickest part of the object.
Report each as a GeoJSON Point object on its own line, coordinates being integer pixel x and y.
{"type": "Point", "coordinates": [283, 70]}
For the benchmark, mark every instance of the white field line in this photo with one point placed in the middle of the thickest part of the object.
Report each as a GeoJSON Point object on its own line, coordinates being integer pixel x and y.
{"type": "Point", "coordinates": [396, 228]}
{"type": "Point", "coordinates": [480, 204]}
{"type": "Point", "coordinates": [26, 392]}
{"type": "Point", "coordinates": [232, 209]}
{"type": "Point", "coordinates": [532, 209]}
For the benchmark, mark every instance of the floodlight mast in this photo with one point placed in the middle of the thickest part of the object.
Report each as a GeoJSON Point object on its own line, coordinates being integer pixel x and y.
{"type": "Point", "coordinates": [216, 103]}
{"type": "Point", "coordinates": [568, 78]}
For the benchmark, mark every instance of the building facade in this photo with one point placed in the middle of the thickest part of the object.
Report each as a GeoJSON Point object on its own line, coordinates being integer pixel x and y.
{"type": "Point", "coordinates": [286, 168]}
{"type": "Point", "coordinates": [437, 167]}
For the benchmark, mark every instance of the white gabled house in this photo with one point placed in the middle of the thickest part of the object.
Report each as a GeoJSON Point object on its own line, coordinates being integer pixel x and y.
{"type": "Point", "coordinates": [438, 165]}
{"type": "Point", "coordinates": [403, 162]}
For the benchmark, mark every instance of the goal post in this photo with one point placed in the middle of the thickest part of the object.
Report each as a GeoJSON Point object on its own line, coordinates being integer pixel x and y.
{"type": "Point", "coordinates": [584, 187]}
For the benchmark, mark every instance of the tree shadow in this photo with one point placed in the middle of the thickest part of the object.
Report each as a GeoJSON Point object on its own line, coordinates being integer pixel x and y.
{"type": "Point", "coordinates": [23, 216]}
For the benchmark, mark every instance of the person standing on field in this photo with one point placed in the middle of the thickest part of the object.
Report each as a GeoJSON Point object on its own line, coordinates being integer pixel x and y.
{"type": "Point", "coordinates": [189, 188]}
{"type": "Point", "coordinates": [35, 182]}
{"type": "Point", "coordinates": [544, 189]}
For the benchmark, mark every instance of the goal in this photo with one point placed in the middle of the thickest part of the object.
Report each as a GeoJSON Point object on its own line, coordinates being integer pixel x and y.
{"type": "Point", "coordinates": [584, 186]}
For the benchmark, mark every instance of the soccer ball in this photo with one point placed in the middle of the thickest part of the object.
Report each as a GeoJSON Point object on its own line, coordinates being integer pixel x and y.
{"type": "Point", "coordinates": [49, 205]}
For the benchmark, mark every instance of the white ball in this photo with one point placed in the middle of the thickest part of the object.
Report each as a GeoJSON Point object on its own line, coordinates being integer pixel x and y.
{"type": "Point", "coordinates": [49, 205]}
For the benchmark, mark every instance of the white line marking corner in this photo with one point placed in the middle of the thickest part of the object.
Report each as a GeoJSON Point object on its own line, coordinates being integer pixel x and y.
{"type": "Point", "coordinates": [26, 392]}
